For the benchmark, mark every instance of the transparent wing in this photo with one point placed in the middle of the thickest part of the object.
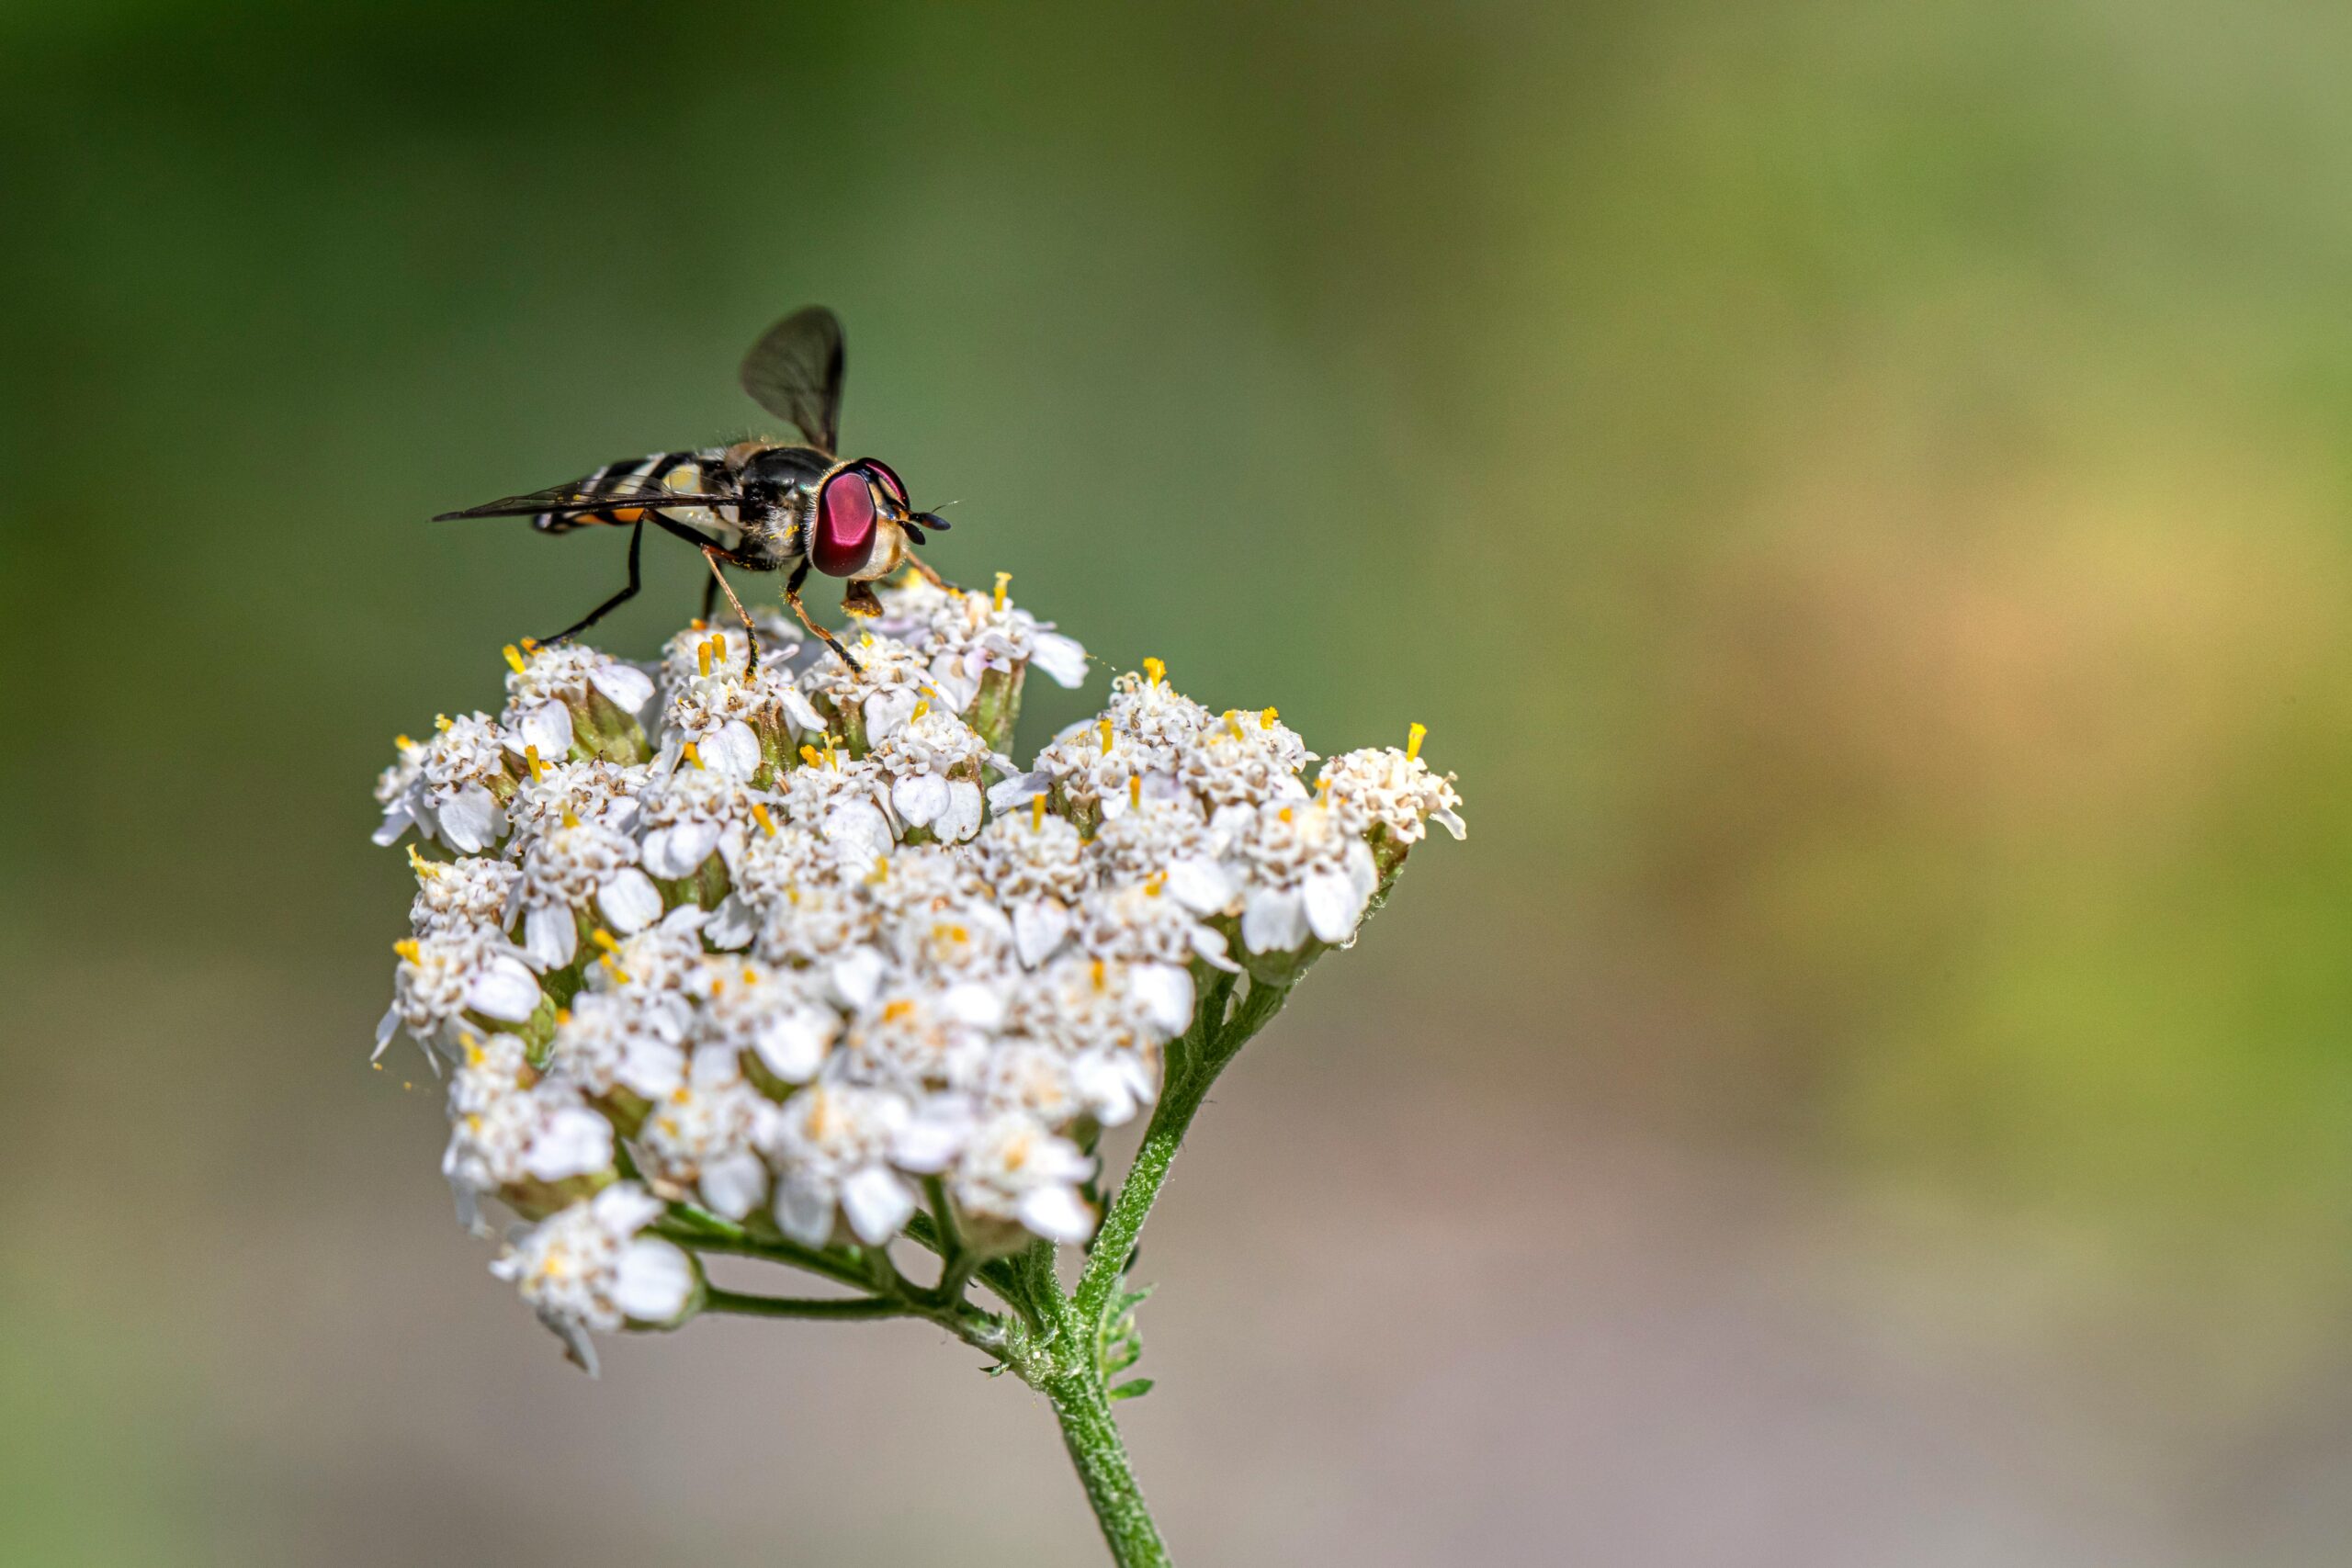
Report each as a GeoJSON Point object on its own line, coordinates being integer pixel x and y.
{"type": "Point", "coordinates": [795, 373]}
{"type": "Point", "coordinates": [615, 495]}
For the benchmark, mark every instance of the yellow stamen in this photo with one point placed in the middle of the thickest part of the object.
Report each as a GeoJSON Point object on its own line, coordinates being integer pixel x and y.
{"type": "Point", "coordinates": [702, 657]}
{"type": "Point", "coordinates": [571, 817]}
{"type": "Point", "coordinates": [809, 755]}
{"type": "Point", "coordinates": [604, 938]}
{"type": "Point", "coordinates": [531, 645]}
{"type": "Point", "coordinates": [688, 754]}
{"type": "Point", "coordinates": [403, 741]}
{"type": "Point", "coordinates": [1266, 719]}
{"type": "Point", "coordinates": [562, 1017]}
{"type": "Point", "coordinates": [513, 658]}
{"type": "Point", "coordinates": [423, 867]}
{"type": "Point", "coordinates": [699, 624]}
{"type": "Point", "coordinates": [1036, 813]}
{"type": "Point", "coordinates": [409, 949]}
{"type": "Point", "coordinates": [1155, 670]}
{"type": "Point", "coordinates": [531, 761]}
{"type": "Point", "coordinates": [896, 1011]}
{"type": "Point", "coordinates": [750, 976]}
{"type": "Point", "coordinates": [1155, 884]}
{"type": "Point", "coordinates": [1135, 791]}
{"type": "Point", "coordinates": [922, 708]}
{"type": "Point", "coordinates": [1283, 814]}
{"type": "Point", "coordinates": [441, 722]}
{"type": "Point", "coordinates": [1101, 974]}
{"type": "Point", "coordinates": [1233, 723]}
{"type": "Point", "coordinates": [1413, 741]}
{"type": "Point", "coordinates": [881, 869]}
{"type": "Point", "coordinates": [1003, 578]}
{"type": "Point", "coordinates": [1105, 727]}
{"type": "Point", "coordinates": [760, 814]}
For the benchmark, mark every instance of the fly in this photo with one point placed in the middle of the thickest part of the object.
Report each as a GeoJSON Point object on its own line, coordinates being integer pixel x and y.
{"type": "Point", "coordinates": [760, 505]}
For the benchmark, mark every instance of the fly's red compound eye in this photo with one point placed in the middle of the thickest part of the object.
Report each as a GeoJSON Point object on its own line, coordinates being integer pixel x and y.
{"type": "Point", "coordinates": [886, 476]}
{"type": "Point", "coordinates": [843, 541]}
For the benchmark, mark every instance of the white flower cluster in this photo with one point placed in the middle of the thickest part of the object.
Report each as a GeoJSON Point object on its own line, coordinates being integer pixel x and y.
{"type": "Point", "coordinates": [786, 944]}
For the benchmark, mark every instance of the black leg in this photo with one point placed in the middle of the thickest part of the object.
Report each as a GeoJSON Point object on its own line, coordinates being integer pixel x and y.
{"type": "Point", "coordinates": [636, 536]}
{"type": "Point", "coordinates": [792, 597]}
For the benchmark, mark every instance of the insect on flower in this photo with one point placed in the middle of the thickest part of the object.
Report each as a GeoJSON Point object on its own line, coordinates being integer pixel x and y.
{"type": "Point", "coordinates": [761, 505]}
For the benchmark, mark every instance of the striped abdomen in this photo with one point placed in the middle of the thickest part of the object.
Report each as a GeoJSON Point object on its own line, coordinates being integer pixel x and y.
{"type": "Point", "coordinates": [633, 481]}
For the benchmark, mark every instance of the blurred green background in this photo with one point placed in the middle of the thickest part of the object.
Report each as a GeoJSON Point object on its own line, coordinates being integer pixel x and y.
{"type": "Point", "coordinates": [1862, 495]}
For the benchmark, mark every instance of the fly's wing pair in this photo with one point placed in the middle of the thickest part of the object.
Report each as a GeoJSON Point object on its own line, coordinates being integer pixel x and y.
{"type": "Point", "coordinates": [795, 373]}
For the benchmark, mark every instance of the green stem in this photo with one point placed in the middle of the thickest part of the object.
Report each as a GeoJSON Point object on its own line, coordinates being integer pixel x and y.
{"type": "Point", "coordinates": [839, 1309]}
{"type": "Point", "coordinates": [1193, 1068]}
{"type": "Point", "coordinates": [1101, 1458]}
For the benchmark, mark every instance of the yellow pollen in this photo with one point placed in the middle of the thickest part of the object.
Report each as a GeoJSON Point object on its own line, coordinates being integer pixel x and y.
{"type": "Point", "coordinates": [419, 864]}
{"type": "Point", "coordinates": [1155, 669]}
{"type": "Point", "coordinates": [409, 949]}
{"type": "Point", "coordinates": [896, 1011]}
{"type": "Point", "coordinates": [612, 967]}
{"type": "Point", "coordinates": [441, 722]}
{"type": "Point", "coordinates": [1003, 578]}
{"type": "Point", "coordinates": [688, 753]}
{"type": "Point", "coordinates": [1283, 814]}
{"type": "Point", "coordinates": [531, 761]}
{"type": "Point", "coordinates": [571, 817]}
{"type": "Point", "coordinates": [604, 938]}
{"type": "Point", "coordinates": [1100, 974]}
{"type": "Point", "coordinates": [1105, 727]}
{"type": "Point", "coordinates": [1135, 791]}
{"type": "Point", "coordinates": [921, 709]}
{"type": "Point", "coordinates": [866, 641]}
{"type": "Point", "coordinates": [1036, 814]}
{"type": "Point", "coordinates": [1266, 719]}
{"type": "Point", "coordinates": [809, 755]}
{"type": "Point", "coordinates": [751, 977]}
{"type": "Point", "coordinates": [531, 645]}
{"type": "Point", "coordinates": [717, 988]}
{"type": "Point", "coordinates": [881, 869]}
{"type": "Point", "coordinates": [1233, 723]}
{"type": "Point", "coordinates": [403, 741]}
{"type": "Point", "coordinates": [562, 1017]}
{"type": "Point", "coordinates": [702, 657]}
{"type": "Point", "coordinates": [699, 624]}
{"type": "Point", "coordinates": [1413, 741]}
{"type": "Point", "coordinates": [1155, 884]}
{"type": "Point", "coordinates": [377, 1065]}
{"type": "Point", "coordinates": [513, 658]}
{"type": "Point", "coordinates": [760, 814]}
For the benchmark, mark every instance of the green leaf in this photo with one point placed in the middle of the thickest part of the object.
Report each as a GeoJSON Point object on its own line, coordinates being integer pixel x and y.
{"type": "Point", "coordinates": [1134, 1390]}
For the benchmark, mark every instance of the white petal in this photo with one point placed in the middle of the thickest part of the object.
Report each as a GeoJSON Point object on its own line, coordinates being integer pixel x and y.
{"type": "Point", "coordinates": [624, 1208]}
{"type": "Point", "coordinates": [804, 717]}
{"type": "Point", "coordinates": [472, 820]}
{"type": "Point", "coordinates": [1451, 821]}
{"type": "Point", "coordinates": [975, 1005]}
{"type": "Point", "coordinates": [654, 1282]}
{"type": "Point", "coordinates": [1166, 992]}
{"type": "Point", "coordinates": [876, 1201]}
{"type": "Point", "coordinates": [550, 935]}
{"type": "Point", "coordinates": [1038, 927]}
{"type": "Point", "coordinates": [548, 727]}
{"type": "Point", "coordinates": [733, 924]}
{"type": "Point", "coordinates": [1017, 791]}
{"type": "Point", "coordinates": [1060, 657]}
{"type": "Point", "coordinates": [575, 1141]}
{"type": "Point", "coordinates": [650, 1067]}
{"type": "Point", "coordinates": [962, 817]}
{"type": "Point", "coordinates": [919, 798]}
{"type": "Point", "coordinates": [396, 821]}
{"type": "Point", "coordinates": [1273, 921]}
{"type": "Point", "coordinates": [859, 825]}
{"type": "Point", "coordinates": [857, 976]}
{"type": "Point", "coordinates": [732, 1185]}
{"type": "Point", "coordinates": [1201, 885]}
{"type": "Point", "coordinates": [1102, 1079]}
{"type": "Point", "coordinates": [384, 1027]}
{"type": "Point", "coordinates": [930, 1142]}
{"type": "Point", "coordinates": [794, 1045]}
{"type": "Point", "coordinates": [628, 687]}
{"type": "Point", "coordinates": [734, 751]}
{"type": "Point", "coordinates": [1208, 945]}
{"type": "Point", "coordinates": [629, 901]}
{"type": "Point", "coordinates": [1332, 905]}
{"type": "Point", "coordinates": [506, 990]}
{"type": "Point", "coordinates": [1057, 1213]}
{"type": "Point", "coordinates": [804, 1209]}
{"type": "Point", "coordinates": [885, 714]}
{"type": "Point", "coordinates": [678, 850]}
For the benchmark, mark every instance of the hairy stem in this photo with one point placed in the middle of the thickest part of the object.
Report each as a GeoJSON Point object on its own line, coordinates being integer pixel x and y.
{"type": "Point", "coordinates": [839, 1309]}
{"type": "Point", "coordinates": [1101, 1458]}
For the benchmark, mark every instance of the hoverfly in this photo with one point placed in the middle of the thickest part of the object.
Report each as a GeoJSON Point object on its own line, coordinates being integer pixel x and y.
{"type": "Point", "coordinates": [761, 505]}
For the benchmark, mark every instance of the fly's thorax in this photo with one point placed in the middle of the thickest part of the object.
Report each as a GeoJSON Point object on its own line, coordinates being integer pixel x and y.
{"type": "Point", "coordinates": [890, 548]}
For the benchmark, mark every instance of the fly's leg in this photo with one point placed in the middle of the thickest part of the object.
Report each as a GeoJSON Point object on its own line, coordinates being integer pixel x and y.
{"type": "Point", "coordinates": [792, 597]}
{"type": "Point", "coordinates": [928, 575]}
{"type": "Point", "coordinates": [858, 599]}
{"type": "Point", "coordinates": [709, 598]}
{"type": "Point", "coordinates": [636, 536]}
{"type": "Point", "coordinates": [710, 553]}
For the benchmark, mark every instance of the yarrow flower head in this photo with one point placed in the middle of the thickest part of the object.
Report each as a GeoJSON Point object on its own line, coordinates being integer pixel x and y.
{"type": "Point", "coordinates": [793, 961]}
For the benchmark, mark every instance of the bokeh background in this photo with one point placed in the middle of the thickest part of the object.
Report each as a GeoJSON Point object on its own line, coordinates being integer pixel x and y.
{"type": "Point", "coordinates": [1862, 495]}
